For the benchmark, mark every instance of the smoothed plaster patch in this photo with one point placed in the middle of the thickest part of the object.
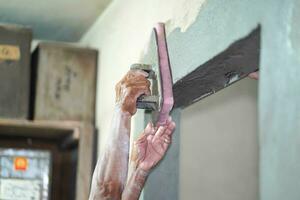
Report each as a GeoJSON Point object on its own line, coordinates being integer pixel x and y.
{"type": "Point", "coordinates": [185, 14]}
{"type": "Point", "coordinates": [182, 15]}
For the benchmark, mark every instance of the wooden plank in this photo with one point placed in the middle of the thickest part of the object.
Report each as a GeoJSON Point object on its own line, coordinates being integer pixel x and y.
{"type": "Point", "coordinates": [231, 65]}
{"type": "Point", "coordinates": [85, 162]}
{"type": "Point", "coordinates": [64, 82]}
{"type": "Point", "coordinates": [15, 44]}
{"type": "Point", "coordinates": [39, 129]}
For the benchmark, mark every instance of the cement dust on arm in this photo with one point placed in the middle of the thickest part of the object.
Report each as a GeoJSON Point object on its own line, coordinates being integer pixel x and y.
{"type": "Point", "coordinates": [148, 150]}
{"type": "Point", "coordinates": [111, 170]}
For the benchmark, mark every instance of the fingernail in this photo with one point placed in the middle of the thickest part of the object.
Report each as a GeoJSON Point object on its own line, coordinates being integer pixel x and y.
{"type": "Point", "coordinates": [143, 72]}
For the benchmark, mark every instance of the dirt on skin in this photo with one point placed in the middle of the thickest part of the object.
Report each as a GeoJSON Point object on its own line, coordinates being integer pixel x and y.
{"type": "Point", "coordinates": [132, 85]}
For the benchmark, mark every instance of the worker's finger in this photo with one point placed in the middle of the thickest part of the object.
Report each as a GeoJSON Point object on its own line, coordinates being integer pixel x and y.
{"type": "Point", "coordinates": [150, 137]}
{"type": "Point", "coordinates": [168, 121]}
{"type": "Point", "coordinates": [139, 72]}
{"type": "Point", "coordinates": [134, 77]}
{"type": "Point", "coordinates": [136, 72]}
{"type": "Point", "coordinates": [160, 131]}
{"type": "Point", "coordinates": [131, 80]}
{"type": "Point", "coordinates": [167, 138]}
{"type": "Point", "coordinates": [131, 75]}
{"type": "Point", "coordinates": [171, 125]}
{"type": "Point", "coordinates": [151, 129]}
{"type": "Point", "coordinates": [142, 138]}
{"type": "Point", "coordinates": [138, 91]}
{"type": "Point", "coordinates": [166, 142]}
{"type": "Point", "coordinates": [148, 128]}
{"type": "Point", "coordinates": [254, 75]}
{"type": "Point", "coordinates": [138, 83]}
{"type": "Point", "coordinates": [135, 92]}
{"type": "Point", "coordinates": [170, 129]}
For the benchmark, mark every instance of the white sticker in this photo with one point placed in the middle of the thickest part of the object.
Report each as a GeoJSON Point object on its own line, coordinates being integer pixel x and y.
{"type": "Point", "coordinates": [16, 189]}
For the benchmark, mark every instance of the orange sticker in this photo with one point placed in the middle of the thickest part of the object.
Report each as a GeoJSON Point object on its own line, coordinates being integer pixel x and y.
{"type": "Point", "coordinates": [21, 163]}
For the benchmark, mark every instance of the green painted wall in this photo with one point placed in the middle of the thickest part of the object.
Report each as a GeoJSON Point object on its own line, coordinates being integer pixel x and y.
{"type": "Point", "coordinates": [123, 31]}
{"type": "Point", "coordinates": [221, 22]}
{"type": "Point", "coordinates": [279, 103]}
{"type": "Point", "coordinates": [211, 33]}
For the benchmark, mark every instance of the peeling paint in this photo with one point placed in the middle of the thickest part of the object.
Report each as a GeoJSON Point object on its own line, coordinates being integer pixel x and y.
{"type": "Point", "coordinates": [184, 14]}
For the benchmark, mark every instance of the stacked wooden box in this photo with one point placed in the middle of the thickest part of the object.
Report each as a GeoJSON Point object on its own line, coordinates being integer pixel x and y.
{"type": "Point", "coordinates": [15, 44]}
{"type": "Point", "coordinates": [49, 103]}
{"type": "Point", "coordinates": [65, 82]}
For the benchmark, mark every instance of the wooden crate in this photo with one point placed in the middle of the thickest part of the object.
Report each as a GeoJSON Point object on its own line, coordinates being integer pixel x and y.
{"type": "Point", "coordinates": [15, 42]}
{"type": "Point", "coordinates": [65, 82]}
{"type": "Point", "coordinates": [72, 148]}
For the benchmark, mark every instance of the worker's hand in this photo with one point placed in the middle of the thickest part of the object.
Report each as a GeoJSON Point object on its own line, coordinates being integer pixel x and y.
{"type": "Point", "coordinates": [152, 145]}
{"type": "Point", "coordinates": [132, 85]}
{"type": "Point", "coordinates": [254, 75]}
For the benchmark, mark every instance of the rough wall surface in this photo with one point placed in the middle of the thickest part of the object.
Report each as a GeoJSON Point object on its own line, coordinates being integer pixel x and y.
{"type": "Point", "coordinates": [123, 32]}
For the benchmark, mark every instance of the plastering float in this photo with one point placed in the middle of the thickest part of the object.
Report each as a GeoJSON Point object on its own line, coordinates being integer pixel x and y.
{"type": "Point", "coordinates": [161, 99]}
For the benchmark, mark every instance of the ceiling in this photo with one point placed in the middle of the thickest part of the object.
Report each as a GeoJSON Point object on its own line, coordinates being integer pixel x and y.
{"type": "Point", "coordinates": [62, 20]}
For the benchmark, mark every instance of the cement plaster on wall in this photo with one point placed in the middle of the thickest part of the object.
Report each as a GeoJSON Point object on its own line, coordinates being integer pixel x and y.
{"type": "Point", "coordinates": [121, 34]}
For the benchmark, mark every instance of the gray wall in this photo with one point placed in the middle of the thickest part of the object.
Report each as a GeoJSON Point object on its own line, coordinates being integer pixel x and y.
{"type": "Point", "coordinates": [219, 146]}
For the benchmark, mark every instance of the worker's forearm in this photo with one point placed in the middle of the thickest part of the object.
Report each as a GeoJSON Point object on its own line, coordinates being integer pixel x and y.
{"type": "Point", "coordinates": [135, 185]}
{"type": "Point", "coordinates": [111, 171]}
